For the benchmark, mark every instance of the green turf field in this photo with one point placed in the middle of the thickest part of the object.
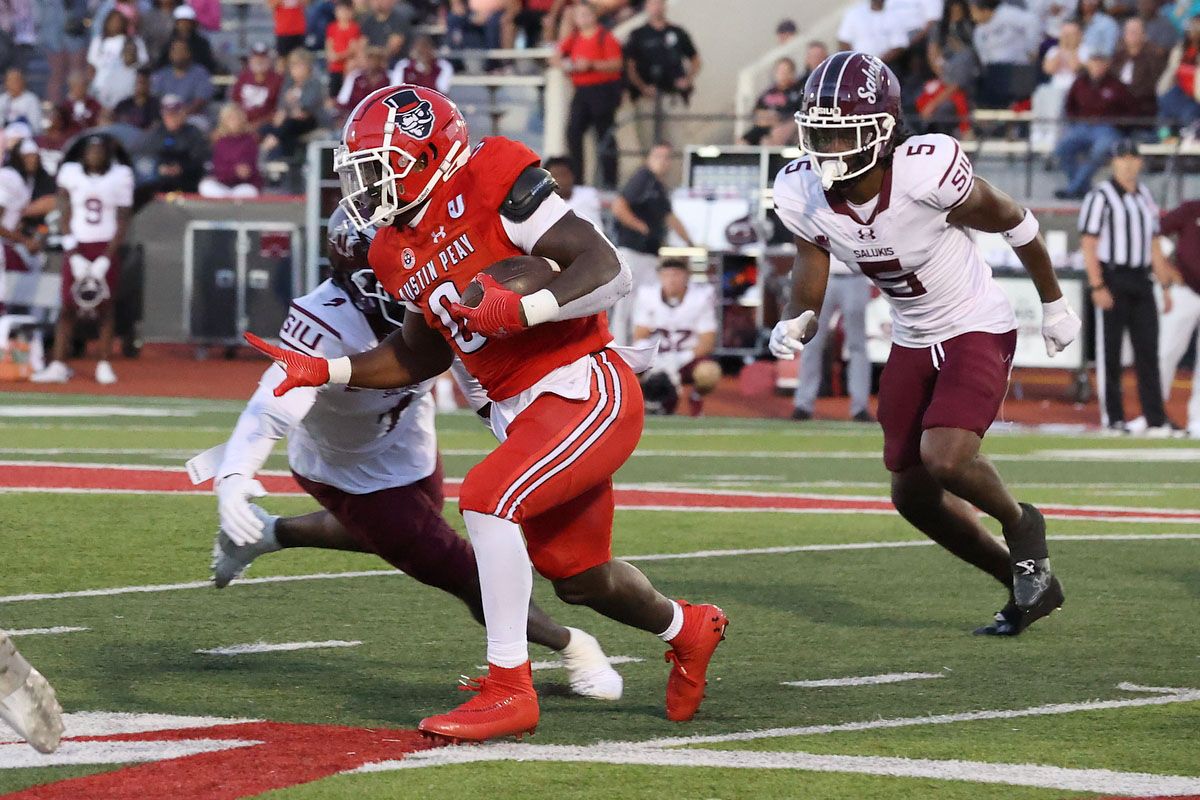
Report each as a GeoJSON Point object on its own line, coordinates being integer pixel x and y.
{"type": "Point", "coordinates": [1102, 699]}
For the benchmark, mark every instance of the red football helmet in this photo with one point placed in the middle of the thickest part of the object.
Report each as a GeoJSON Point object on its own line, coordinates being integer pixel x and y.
{"type": "Point", "coordinates": [849, 115]}
{"type": "Point", "coordinates": [399, 143]}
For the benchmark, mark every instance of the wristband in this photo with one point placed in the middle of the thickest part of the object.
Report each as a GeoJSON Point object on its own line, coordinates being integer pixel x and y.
{"type": "Point", "coordinates": [1055, 306]}
{"type": "Point", "coordinates": [1023, 232]}
{"type": "Point", "coordinates": [339, 370]}
{"type": "Point", "coordinates": [539, 307]}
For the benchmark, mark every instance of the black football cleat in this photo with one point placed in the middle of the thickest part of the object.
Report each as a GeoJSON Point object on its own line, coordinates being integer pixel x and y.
{"type": "Point", "coordinates": [1013, 618]}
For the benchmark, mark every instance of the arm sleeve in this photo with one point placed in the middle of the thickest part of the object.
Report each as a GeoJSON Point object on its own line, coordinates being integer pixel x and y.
{"type": "Point", "coordinates": [265, 420]}
{"type": "Point", "coordinates": [525, 234]}
{"type": "Point", "coordinates": [471, 388]}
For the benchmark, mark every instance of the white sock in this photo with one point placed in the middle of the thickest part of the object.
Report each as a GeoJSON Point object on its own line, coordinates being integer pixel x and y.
{"type": "Point", "coordinates": [676, 623]}
{"type": "Point", "coordinates": [506, 583]}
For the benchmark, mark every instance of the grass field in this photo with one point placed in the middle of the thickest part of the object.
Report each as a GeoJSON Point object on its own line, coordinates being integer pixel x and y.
{"type": "Point", "coordinates": [1101, 699]}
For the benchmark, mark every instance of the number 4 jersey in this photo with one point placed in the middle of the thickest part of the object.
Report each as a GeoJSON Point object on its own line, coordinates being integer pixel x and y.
{"type": "Point", "coordinates": [932, 273]}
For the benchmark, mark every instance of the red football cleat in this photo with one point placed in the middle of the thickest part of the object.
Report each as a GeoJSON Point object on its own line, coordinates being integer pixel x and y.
{"type": "Point", "coordinates": [703, 629]}
{"type": "Point", "coordinates": [506, 705]}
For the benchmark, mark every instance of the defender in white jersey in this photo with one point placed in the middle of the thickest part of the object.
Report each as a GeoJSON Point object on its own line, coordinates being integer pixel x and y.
{"type": "Point", "coordinates": [680, 316]}
{"type": "Point", "coordinates": [15, 247]}
{"type": "Point", "coordinates": [897, 208]}
{"type": "Point", "coordinates": [369, 456]}
{"type": "Point", "coordinates": [95, 199]}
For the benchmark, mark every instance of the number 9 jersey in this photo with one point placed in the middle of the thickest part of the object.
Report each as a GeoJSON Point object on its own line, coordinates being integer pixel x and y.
{"type": "Point", "coordinates": [95, 199]}
{"type": "Point", "coordinates": [934, 276]}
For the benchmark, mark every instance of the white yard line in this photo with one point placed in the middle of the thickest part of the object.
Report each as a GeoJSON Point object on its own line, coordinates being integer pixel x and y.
{"type": "Point", "coordinates": [750, 551]}
{"type": "Point", "coordinates": [45, 631]}
{"type": "Point", "coordinates": [1177, 696]}
{"type": "Point", "coordinates": [1032, 775]}
{"type": "Point", "coordinates": [277, 647]}
{"type": "Point", "coordinates": [865, 680]}
{"type": "Point", "coordinates": [45, 411]}
{"type": "Point", "coordinates": [22, 756]}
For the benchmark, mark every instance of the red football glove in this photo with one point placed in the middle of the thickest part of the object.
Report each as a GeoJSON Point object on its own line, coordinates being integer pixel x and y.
{"type": "Point", "coordinates": [302, 370]}
{"type": "Point", "coordinates": [498, 313]}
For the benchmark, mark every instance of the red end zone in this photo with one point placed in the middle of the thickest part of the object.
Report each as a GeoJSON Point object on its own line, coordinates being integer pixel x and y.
{"type": "Point", "coordinates": [104, 478]}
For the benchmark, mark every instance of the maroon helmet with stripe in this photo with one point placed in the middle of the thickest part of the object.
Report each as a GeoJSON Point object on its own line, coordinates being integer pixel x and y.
{"type": "Point", "coordinates": [849, 116]}
{"type": "Point", "coordinates": [351, 272]}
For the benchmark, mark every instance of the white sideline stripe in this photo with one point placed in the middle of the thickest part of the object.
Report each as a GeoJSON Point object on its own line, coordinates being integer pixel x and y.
{"type": "Point", "coordinates": [1179, 696]}
{"type": "Point", "coordinates": [21, 756]}
{"type": "Point", "coordinates": [43, 411]}
{"type": "Point", "coordinates": [109, 723]}
{"type": "Point", "coordinates": [562, 665]}
{"type": "Point", "coordinates": [1032, 775]}
{"type": "Point", "coordinates": [865, 680]}
{"type": "Point", "coordinates": [754, 551]}
{"type": "Point", "coordinates": [45, 631]}
{"type": "Point", "coordinates": [280, 647]}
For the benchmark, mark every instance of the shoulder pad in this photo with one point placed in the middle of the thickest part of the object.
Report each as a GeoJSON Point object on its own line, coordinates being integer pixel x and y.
{"type": "Point", "coordinates": [531, 187]}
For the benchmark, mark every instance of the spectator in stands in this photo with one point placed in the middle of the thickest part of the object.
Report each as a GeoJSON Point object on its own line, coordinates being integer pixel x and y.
{"type": "Point", "coordinates": [1179, 87]}
{"type": "Point", "coordinates": [778, 103]}
{"type": "Point", "coordinates": [785, 31]}
{"type": "Point", "coordinates": [583, 200]}
{"type": "Point", "coordinates": [18, 104]}
{"type": "Point", "coordinates": [661, 64]}
{"type": "Point", "coordinates": [234, 157]}
{"type": "Point", "coordinates": [141, 108]}
{"type": "Point", "coordinates": [157, 25]}
{"type": "Point", "coordinates": [469, 28]}
{"type": "Point", "coordinates": [80, 111]}
{"type": "Point", "coordinates": [179, 149]}
{"type": "Point", "coordinates": [942, 106]}
{"type": "Point", "coordinates": [368, 73]}
{"type": "Point", "coordinates": [916, 19]}
{"type": "Point", "coordinates": [116, 58]}
{"type": "Point", "coordinates": [1139, 63]}
{"type": "Point", "coordinates": [54, 130]}
{"type": "Point", "coordinates": [1095, 100]}
{"type": "Point", "coordinates": [208, 13]}
{"type": "Point", "coordinates": [952, 46]}
{"type": "Point", "coordinates": [681, 317]}
{"type": "Point", "coordinates": [1159, 28]}
{"type": "Point", "coordinates": [534, 18]}
{"type": "Point", "coordinates": [816, 52]}
{"type": "Point", "coordinates": [389, 25]}
{"type": "Point", "coordinates": [290, 25]}
{"type": "Point", "coordinates": [591, 56]}
{"type": "Point", "coordinates": [257, 87]}
{"type": "Point", "coordinates": [130, 9]}
{"type": "Point", "coordinates": [1060, 67]}
{"type": "Point", "coordinates": [343, 39]}
{"type": "Point", "coordinates": [300, 105]}
{"type": "Point", "coordinates": [1051, 14]}
{"type": "Point", "coordinates": [1100, 31]}
{"type": "Point", "coordinates": [317, 19]}
{"type": "Point", "coordinates": [643, 214]}
{"type": "Point", "coordinates": [423, 67]}
{"type": "Point", "coordinates": [187, 81]}
{"type": "Point", "coordinates": [187, 31]}
{"type": "Point", "coordinates": [869, 28]}
{"type": "Point", "coordinates": [62, 36]}
{"type": "Point", "coordinates": [1006, 41]}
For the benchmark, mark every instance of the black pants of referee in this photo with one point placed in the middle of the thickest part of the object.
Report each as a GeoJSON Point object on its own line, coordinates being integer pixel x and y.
{"type": "Point", "coordinates": [595, 107]}
{"type": "Point", "coordinates": [1133, 310]}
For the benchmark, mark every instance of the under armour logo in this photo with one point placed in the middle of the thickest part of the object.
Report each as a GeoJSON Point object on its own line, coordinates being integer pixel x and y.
{"type": "Point", "coordinates": [866, 234]}
{"type": "Point", "coordinates": [440, 233]}
{"type": "Point", "coordinates": [1027, 567]}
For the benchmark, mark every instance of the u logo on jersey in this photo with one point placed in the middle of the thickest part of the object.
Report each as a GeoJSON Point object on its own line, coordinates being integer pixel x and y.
{"type": "Point", "coordinates": [456, 207]}
{"type": "Point", "coordinates": [866, 234]}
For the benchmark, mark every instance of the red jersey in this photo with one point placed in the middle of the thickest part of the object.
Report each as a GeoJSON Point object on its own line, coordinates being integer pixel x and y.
{"type": "Point", "coordinates": [461, 234]}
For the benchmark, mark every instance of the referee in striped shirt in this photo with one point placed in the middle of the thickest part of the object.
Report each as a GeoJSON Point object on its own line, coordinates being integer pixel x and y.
{"type": "Point", "coordinates": [1122, 255]}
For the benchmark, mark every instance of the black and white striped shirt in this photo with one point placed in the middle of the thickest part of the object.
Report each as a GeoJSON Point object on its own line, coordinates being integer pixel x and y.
{"type": "Point", "coordinates": [1125, 222]}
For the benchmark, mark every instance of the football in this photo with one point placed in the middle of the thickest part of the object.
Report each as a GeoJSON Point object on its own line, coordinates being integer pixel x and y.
{"type": "Point", "coordinates": [523, 274]}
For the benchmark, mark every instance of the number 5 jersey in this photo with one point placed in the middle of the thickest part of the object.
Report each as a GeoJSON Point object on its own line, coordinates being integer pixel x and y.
{"type": "Point", "coordinates": [934, 276]}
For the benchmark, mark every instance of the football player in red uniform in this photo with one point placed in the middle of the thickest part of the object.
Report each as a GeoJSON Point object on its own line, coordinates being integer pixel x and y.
{"type": "Point", "coordinates": [566, 404]}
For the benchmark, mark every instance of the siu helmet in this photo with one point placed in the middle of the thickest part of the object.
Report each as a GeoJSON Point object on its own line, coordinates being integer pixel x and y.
{"type": "Point", "coordinates": [849, 115]}
{"type": "Point", "coordinates": [398, 144]}
{"type": "Point", "coordinates": [351, 272]}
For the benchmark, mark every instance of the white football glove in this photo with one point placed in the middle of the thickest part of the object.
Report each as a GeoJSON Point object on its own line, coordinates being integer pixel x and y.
{"type": "Point", "coordinates": [100, 267]}
{"type": "Point", "coordinates": [80, 267]}
{"type": "Point", "coordinates": [238, 519]}
{"type": "Point", "coordinates": [1060, 325]}
{"type": "Point", "coordinates": [786, 335]}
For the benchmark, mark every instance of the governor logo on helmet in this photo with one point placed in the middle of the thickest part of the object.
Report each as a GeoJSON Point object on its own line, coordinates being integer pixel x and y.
{"type": "Point", "coordinates": [849, 115]}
